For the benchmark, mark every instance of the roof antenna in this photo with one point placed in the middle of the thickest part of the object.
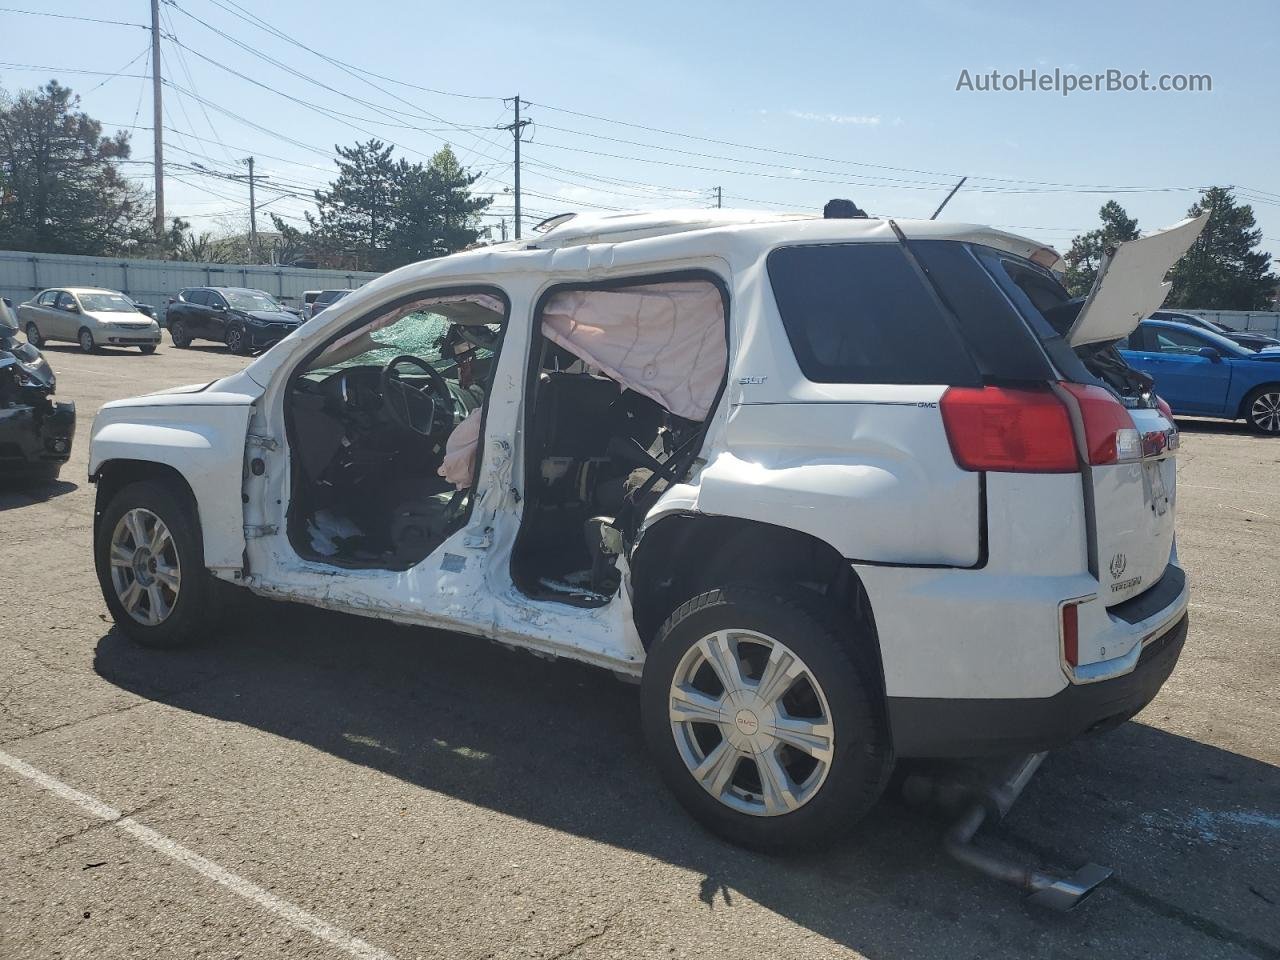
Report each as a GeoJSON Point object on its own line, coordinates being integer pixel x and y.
{"type": "Point", "coordinates": [843, 210]}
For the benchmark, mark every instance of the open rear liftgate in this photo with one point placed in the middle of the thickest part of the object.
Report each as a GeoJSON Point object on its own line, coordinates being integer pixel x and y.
{"type": "Point", "coordinates": [985, 791]}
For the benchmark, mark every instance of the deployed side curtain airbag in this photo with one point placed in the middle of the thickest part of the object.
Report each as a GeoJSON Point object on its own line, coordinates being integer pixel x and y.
{"type": "Point", "coordinates": [663, 340]}
{"type": "Point", "coordinates": [459, 463]}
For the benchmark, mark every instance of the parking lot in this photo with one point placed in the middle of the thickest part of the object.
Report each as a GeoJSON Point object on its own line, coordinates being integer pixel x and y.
{"type": "Point", "coordinates": [317, 785]}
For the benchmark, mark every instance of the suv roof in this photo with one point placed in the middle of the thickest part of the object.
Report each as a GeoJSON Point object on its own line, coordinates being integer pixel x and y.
{"type": "Point", "coordinates": [769, 228]}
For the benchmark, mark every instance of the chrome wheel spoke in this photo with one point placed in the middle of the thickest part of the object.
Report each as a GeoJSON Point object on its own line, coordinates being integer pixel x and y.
{"type": "Point", "coordinates": [157, 606]}
{"type": "Point", "coordinates": [131, 597]}
{"type": "Point", "coordinates": [723, 658]}
{"type": "Point", "coordinates": [120, 557]}
{"type": "Point", "coordinates": [776, 789]}
{"type": "Point", "coordinates": [717, 768]}
{"type": "Point", "coordinates": [812, 737]}
{"type": "Point", "coordinates": [778, 676]}
{"type": "Point", "coordinates": [689, 705]}
{"type": "Point", "coordinates": [134, 524]}
{"type": "Point", "coordinates": [159, 538]}
{"type": "Point", "coordinates": [168, 576]}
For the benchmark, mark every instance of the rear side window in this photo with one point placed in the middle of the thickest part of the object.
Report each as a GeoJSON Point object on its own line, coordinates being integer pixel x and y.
{"type": "Point", "coordinates": [860, 313]}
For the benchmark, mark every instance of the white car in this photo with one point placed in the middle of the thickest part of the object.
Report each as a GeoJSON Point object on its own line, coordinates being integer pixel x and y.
{"type": "Point", "coordinates": [834, 491]}
{"type": "Point", "coordinates": [89, 316]}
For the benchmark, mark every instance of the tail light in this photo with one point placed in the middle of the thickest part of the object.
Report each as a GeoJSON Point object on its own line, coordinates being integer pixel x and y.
{"type": "Point", "coordinates": [1008, 430]}
{"type": "Point", "coordinates": [1164, 408]}
{"type": "Point", "coordinates": [1071, 633]}
{"type": "Point", "coordinates": [1109, 433]}
{"type": "Point", "coordinates": [1021, 430]}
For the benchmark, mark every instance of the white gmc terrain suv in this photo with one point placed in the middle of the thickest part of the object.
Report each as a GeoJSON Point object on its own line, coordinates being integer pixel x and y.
{"type": "Point", "coordinates": [836, 491]}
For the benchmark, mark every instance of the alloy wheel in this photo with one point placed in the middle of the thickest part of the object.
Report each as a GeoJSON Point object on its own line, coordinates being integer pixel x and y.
{"type": "Point", "coordinates": [1265, 412]}
{"type": "Point", "coordinates": [235, 339]}
{"type": "Point", "coordinates": [751, 722]}
{"type": "Point", "coordinates": [86, 341]}
{"type": "Point", "coordinates": [33, 336]}
{"type": "Point", "coordinates": [145, 570]}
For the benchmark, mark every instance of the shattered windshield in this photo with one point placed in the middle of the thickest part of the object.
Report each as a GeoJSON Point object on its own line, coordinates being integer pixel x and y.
{"type": "Point", "coordinates": [422, 334]}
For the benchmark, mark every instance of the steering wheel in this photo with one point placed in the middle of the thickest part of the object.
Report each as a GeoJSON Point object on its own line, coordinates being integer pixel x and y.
{"type": "Point", "coordinates": [424, 410]}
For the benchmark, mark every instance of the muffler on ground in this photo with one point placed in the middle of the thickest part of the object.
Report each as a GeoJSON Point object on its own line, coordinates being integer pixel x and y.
{"type": "Point", "coordinates": [987, 792]}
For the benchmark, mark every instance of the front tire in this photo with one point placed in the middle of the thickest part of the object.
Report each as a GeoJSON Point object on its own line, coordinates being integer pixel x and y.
{"type": "Point", "coordinates": [86, 340]}
{"type": "Point", "coordinates": [237, 340]}
{"type": "Point", "coordinates": [149, 557]}
{"type": "Point", "coordinates": [148, 349]}
{"type": "Point", "coordinates": [764, 715]}
{"type": "Point", "coordinates": [1262, 410]}
{"type": "Point", "coordinates": [33, 336]}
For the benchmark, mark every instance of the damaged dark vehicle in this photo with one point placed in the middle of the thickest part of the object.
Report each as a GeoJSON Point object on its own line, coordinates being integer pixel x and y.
{"type": "Point", "coordinates": [35, 430]}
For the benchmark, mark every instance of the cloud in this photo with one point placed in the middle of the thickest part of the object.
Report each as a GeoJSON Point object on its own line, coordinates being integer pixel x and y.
{"type": "Point", "coordinates": [865, 120]}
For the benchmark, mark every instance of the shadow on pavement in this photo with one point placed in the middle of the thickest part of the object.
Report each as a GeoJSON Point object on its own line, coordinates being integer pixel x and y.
{"type": "Point", "coordinates": [22, 492]}
{"type": "Point", "coordinates": [559, 744]}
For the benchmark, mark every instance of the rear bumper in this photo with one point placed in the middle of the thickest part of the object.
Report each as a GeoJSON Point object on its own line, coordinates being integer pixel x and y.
{"type": "Point", "coordinates": [929, 727]}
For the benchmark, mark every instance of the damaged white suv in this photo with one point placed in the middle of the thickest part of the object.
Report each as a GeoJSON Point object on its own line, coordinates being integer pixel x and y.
{"type": "Point", "coordinates": [836, 491]}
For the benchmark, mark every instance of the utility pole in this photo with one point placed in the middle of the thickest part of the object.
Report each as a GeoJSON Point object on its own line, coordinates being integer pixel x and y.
{"type": "Point", "coordinates": [253, 216]}
{"type": "Point", "coordinates": [239, 178]}
{"type": "Point", "coordinates": [157, 117]}
{"type": "Point", "coordinates": [517, 133]}
{"type": "Point", "coordinates": [719, 197]}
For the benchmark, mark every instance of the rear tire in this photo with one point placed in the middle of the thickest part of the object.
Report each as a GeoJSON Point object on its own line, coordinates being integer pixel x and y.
{"type": "Point", "coordinates": [33, 336]}
{"type": "Point", "coordinates": [1262, 409]}
{"type": "Point", "coordinates": [148, 538]}
{"type": "Point", "coordinates": [178, 334]}
{"type": "Point", "coordinates": [86, 340]}
{"type": "Point", "coordinates": [814, 794]}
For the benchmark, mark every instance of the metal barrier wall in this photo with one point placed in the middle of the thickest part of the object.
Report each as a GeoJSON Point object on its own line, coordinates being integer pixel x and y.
{"type": "Point", "coordinates": [23, 275]}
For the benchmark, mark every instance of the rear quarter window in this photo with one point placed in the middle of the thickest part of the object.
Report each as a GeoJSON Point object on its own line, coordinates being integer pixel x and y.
{"type": "Point", "coordinates": [860, 313]}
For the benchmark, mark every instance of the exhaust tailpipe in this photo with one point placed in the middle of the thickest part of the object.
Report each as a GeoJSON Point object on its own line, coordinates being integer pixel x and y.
{"type": "Point", "coordinates": [996, 797]}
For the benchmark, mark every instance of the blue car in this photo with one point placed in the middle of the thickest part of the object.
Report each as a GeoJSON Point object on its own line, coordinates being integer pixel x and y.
{"type": "Point", "coordinates": [1199, 373]}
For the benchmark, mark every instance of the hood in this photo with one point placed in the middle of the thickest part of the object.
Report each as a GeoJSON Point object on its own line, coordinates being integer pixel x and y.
{"type": "Point", "coordinates": [270, 316]}
{"type": "Point", "coordinates": [134, 319]}
{"type": "Point", "coordinates": [1267, 353]}
{"type": "Point", "coordinates": [1130, 285]}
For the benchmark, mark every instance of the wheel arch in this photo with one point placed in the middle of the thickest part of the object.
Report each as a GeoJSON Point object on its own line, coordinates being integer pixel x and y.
{"type": "Point", "coordinates": [684, 554]}
{"type": "Point", "coordinates": [1243, 412]}
{"type": "Point", "coordinates": [112, 476]}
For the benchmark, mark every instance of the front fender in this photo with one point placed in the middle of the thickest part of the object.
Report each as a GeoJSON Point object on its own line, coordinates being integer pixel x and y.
{"type": "Point", "coordinates": [205, 444]}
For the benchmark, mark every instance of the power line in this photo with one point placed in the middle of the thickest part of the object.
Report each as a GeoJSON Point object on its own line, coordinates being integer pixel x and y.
{"type": "Point", "coordinates": [67, 16]}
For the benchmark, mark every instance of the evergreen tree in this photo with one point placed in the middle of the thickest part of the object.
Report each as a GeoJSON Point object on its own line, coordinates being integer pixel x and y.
{"type": "Point", "coordinates": [1222, 270]}
{"type": "Point", "coordinates": [1087, 250]}
{"type": "Point", "coordinates": [436, 213]}
{"type": "Point", "coordinates": [356, 212]}
{"type": "Point", "coordinates": [63, 188]}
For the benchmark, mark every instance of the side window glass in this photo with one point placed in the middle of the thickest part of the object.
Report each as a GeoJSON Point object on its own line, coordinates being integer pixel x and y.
{"type": "Point", "coordinates": [65, 301]}
{"type": "Point", "coordinates": [1177, 341]}
{"type": "Point", "coordinates": [48, 297]}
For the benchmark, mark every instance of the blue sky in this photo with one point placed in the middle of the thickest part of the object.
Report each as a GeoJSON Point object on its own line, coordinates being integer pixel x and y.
{"type": "Point", "coordinates": [866, 92]}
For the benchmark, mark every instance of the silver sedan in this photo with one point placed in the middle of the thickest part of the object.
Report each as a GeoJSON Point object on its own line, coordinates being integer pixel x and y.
{"type": "Point", "coordinates": [88, 316]}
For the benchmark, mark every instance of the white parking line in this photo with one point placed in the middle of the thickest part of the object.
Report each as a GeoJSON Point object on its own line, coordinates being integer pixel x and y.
{"type": "Point", "coordinates": [318, 928]}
